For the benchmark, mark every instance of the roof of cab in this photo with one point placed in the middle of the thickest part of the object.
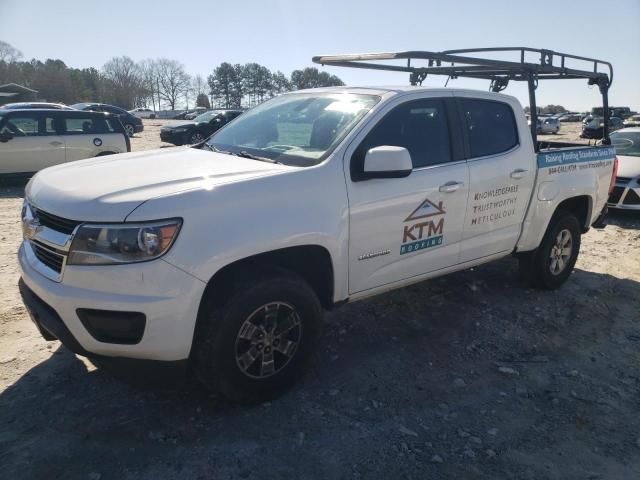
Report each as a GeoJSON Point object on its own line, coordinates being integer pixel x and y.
{"type": "Point", "coordinates": [405, 89]}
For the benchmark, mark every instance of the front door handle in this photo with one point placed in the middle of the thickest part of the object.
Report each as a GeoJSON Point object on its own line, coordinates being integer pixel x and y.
{"type": "Point", "coordinates": [55, 143]}
{"type": "Point", "coordinates": [519, 173]}
{"type": "Point", "coordinates": [450, 187]}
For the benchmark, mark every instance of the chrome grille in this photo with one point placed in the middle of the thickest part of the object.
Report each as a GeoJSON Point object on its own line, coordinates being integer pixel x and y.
{"type": "Point", "coordinates": [54, 222]}
{"type": "Point", "coordinates": [51, 258]}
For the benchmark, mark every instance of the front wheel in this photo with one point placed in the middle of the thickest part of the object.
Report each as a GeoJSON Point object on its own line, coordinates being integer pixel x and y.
{"type": "Point", "coordinates": [549, 266]}
{"type": "Point", "coordinates": [196, 137]}
{"type": "Point", "coordinates": [257, 345]}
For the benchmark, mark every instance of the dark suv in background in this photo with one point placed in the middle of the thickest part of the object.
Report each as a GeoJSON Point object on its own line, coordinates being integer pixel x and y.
{"type": "Point", "coordinates": [197, 130]}
{"type": "Point", "coordinates": [130, 122]}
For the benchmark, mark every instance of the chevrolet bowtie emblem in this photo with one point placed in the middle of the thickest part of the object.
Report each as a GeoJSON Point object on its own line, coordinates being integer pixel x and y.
{"type": "Point", "coordinates": [30, 225]}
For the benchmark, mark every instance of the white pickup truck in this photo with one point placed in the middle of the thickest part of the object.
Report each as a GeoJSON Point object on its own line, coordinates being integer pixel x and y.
{"type": "Point", "coordinates": [222, 257]}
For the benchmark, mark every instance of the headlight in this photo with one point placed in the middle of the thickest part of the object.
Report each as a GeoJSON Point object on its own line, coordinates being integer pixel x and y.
{"type": "Point", "coordinates": [122, 243]}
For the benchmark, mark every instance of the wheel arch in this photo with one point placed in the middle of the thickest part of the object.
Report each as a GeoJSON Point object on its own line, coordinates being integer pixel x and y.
{"type": "Point", "coordinates": [581, 206]}
{"type": "Point", "coordinates": [539, 219]}
{"type": "Point", "coordinates": [312, 262]}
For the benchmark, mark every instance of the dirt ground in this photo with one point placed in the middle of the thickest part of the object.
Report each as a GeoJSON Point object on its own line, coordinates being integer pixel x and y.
{"type": "Point", "coordinates": [467, 376]}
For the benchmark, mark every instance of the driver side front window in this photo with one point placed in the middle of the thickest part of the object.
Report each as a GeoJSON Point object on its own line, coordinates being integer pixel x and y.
{"type": "Point", "coordinates": [23, 126]}
{"type": "Point", "coordinates": [420, 126]}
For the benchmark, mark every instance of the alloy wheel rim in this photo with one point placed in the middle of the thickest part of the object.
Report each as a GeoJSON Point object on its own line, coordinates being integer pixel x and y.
{"type": "Point", "coordinates": [130, 130]}
{"type": "Point", "coordinates": [268, 340]}
{"type": "Point", "coordinates": [196, 138]}
{"type": "Point", "coordinates": [561, 252]}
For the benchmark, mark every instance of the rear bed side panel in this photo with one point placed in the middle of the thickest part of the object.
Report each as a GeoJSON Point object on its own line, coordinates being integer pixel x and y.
{"type": "Point", "coordinates": [564, 174]}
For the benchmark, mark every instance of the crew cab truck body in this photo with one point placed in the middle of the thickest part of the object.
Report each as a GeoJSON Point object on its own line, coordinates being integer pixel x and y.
{"type": "Point", "coordinates": [218, 258]}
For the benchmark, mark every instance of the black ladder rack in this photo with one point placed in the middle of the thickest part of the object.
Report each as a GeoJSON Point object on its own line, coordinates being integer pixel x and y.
{"type": "Point", "coordinates": [463, 63]}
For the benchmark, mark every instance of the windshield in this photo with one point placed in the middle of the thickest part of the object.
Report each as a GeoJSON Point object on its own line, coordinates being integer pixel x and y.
{"type": "Point", "coordinates": [626, 143]}
{"type": "Point", "coordinates": [299, 129]}
{"type": "Point", "coordinates": [205, 117]}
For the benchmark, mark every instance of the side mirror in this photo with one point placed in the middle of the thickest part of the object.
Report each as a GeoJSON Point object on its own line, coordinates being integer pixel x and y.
{"type": "Point", "coordinates": [387, 162]}
{"type": "Point", "coordinates": [5, 137]}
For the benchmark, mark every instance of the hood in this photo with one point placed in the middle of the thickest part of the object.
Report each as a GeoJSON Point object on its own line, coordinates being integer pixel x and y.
{"type": "Point", "coordinates": [628, 166]}
{"type": "Point", "coordinates": [107, 189]}
{"type": "Point", "coordinates": [179, 123]}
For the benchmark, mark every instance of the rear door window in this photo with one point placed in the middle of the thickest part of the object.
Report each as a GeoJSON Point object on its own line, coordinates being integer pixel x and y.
{"type": "Point", "coordinates": [86, 125]}
{"type": "Point", "coordinates": [490, 125]}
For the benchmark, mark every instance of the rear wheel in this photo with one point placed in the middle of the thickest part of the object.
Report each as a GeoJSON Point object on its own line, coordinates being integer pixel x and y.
{"type": "Point", "coordinates": [258, 344]}
{"type": "Point", "coordinates": [549, 266]}
{"type": "Point", "coordinates": [129, 130]}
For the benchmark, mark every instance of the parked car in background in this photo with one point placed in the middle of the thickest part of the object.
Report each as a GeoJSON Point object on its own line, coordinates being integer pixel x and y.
{"type": "Point", "coordinates": [592, 127]}
{"type": "Point", "coordinates": [130, 122]}
{"type": "Point", "coordinates": [184, 133]}
{"type": "Point", "coordinates": [143, 113]}
{"type": "Point", "coordinates": [620, 112]}
{"type": "Point", "coordinates": [181, 115]}
{"type": "Point", "coordinates": [571, 117]}
{"type": "Point", "coordinates": [632, 121]}
{"type": "Point", "coordinates": [547, 125]}
{"type": "Point", "coordinates": [23, 105]}
{"type": "Point", "coordinates": [626, 193]}
{"type": "Point", "coordinates": [194, 113]}
{"type": "Point", "coordinates": [31, 139]}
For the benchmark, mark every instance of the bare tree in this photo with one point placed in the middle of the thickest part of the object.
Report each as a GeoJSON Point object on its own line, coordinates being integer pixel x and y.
{"type": "Point", "coordinates": [188, 91]}
{"type": "Point", "coordinates": [199, 85]}
{"type": "Point", "coordinates": [149, 73]}
{"type": "Point", "coordinates": [8, 53]}
{"type": "Point", "coordinates": [172, 80]}
{"type": "Point", "coordinates": [125, 80]}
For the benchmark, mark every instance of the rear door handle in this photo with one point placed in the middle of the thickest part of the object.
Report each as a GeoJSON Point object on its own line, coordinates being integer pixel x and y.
{"type": "Point", "coordinates": [519, 173]}
{"type": "Point", "coordinates": [450, 187]}
{"type": "Point", "coordinates": [55, 143]}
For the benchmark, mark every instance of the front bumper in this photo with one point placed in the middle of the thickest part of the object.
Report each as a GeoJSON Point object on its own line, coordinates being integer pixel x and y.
{"type": "Point", "coordinates": [167, 297]}
{"type": "Point", "coordinates": [138, 128]}
{"type": "Point", "coordinates": [171, 137]}
{"type": "Point", "coordinates": [626, 194]}
{"type": "Point", "coordinates": [141, 372]}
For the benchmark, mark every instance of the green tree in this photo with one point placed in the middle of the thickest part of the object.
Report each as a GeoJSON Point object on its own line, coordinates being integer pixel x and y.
{"type": "Point", "coordinates": [311, 77]}
{"type": "Point", "coordinates": [279, 83]}
{"type": "Point", "coordinates": [226, 85]}
{"type": "Point", "coordinates": [203, 101]}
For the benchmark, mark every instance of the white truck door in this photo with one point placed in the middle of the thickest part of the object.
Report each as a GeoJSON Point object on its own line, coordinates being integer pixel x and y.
{"type": "Point", "coordinates": [501, 174]}
{"type": "Point", "coordinates": [404, 227]}
{"type": "Point", "coordinates": [29, 143]}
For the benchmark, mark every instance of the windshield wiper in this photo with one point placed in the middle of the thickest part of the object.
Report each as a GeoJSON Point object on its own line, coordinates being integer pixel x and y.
{"type": "Point", "coordinates": [245, 154]}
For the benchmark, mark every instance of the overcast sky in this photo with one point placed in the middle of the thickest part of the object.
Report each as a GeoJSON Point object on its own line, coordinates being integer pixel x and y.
{"type": "Point", "coordinates": [285, 34]}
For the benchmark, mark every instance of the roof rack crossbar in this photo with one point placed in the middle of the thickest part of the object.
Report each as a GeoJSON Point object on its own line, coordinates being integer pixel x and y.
{"type": "Point", "coordinates": [463, 63]}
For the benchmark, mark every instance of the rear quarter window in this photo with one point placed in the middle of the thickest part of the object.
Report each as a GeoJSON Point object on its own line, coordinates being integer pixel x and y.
{"type": "Point", "coordinates": [491, 127]}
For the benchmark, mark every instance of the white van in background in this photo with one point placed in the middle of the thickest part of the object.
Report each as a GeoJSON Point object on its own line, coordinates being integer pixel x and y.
{"type": "Point", "coordinates": [33, 139]}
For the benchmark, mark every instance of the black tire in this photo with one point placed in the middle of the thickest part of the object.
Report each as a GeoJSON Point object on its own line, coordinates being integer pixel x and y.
{"type": "Point", "coordinates": [102, 154]}
{"type": "Point", "coordinates": [548, 267]}
{"type": "Point", "coordinates": [196, 137]}
{"type": "Point", "coordinates": [223, 354]}
{"type": "Point", "coordinates": [152, 116]}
